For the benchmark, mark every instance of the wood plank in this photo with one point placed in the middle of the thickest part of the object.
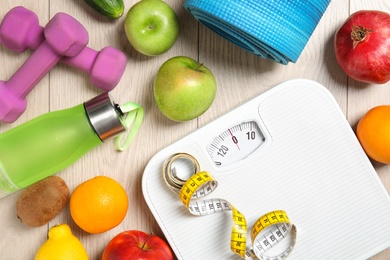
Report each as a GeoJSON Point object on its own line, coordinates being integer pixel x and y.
{"type": "Point", "coordinates": [19, 241]}
{"type": "Point", "coordinates": [71, 87]}
{"type": "Point", "coordinates": [362, 97]}
{"type": "Point", "coordinates": [240, 76]}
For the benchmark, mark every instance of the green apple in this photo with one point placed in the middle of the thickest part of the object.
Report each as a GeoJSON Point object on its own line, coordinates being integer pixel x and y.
{"type": "Point", "coordinates": [184, 88]}
{"type": "Point", "coordinates": [152, 27]}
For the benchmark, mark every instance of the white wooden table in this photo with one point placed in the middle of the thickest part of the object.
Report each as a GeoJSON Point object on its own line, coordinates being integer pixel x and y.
{"type": "Point", "coordinates": [240, 76]}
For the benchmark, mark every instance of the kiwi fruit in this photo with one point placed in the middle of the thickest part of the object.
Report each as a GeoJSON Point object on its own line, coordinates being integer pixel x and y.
{"type": "Point", "coordinates": [42, 201]}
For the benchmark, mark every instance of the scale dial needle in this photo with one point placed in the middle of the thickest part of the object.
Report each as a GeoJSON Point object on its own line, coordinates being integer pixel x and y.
{"type": "Point", "coordinates": [234, 139]}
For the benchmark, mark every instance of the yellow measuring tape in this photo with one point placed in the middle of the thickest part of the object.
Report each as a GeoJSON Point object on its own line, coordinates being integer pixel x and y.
{"type": "Point", "coordinates": [267, 231]}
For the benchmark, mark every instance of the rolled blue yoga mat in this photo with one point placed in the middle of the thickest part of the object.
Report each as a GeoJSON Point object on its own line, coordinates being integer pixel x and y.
{"type": "Point", "coordinates": [275, 29]}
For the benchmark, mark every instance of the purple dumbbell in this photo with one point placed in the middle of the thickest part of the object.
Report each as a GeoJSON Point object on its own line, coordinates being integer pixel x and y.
{"type": "Point", "coordinates": [20, 30]}
{"type": "Point", "coordinates": [65, 36]}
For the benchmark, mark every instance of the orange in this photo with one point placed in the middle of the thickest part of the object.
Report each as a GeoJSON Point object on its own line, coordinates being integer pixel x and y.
{"type": "Point", "coordinates": [373, 132]}
{"type": "Point", "coordinates": [98, 204]}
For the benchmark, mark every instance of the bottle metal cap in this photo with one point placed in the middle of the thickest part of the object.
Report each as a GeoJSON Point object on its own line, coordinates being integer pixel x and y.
{"type": "Point", "coordinates": [104, 116]}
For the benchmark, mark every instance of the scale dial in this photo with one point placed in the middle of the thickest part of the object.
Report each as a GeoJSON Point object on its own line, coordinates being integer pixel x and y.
{"type": "Point", "coordinates": [235, 143]}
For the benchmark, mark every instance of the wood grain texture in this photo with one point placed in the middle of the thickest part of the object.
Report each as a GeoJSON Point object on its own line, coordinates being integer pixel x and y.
{"type": "Point", "coordinates": [240, 77]}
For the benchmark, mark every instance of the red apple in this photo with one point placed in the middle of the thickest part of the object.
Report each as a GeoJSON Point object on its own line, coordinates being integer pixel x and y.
{"type": "Point", "coordinates": [137, 245]}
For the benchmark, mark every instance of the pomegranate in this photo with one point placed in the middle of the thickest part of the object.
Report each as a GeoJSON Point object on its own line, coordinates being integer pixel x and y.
{"type": "Point", "coordinates": [362, 46]}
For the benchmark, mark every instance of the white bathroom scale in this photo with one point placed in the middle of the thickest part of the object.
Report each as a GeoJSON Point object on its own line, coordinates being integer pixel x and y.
{"type": "Point", "coordinates": [290, 148]}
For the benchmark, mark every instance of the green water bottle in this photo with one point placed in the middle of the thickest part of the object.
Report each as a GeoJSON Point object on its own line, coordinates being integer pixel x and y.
{"type": "Point", "coordinates": [53, 141]}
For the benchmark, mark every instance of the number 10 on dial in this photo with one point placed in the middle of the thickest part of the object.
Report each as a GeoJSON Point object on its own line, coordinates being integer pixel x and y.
{"type": "Point", "coordinates": [235, 143]}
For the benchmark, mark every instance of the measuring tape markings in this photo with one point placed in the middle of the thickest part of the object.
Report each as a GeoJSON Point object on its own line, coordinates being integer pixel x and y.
{"type": "Point", "coordinates": [276, 227]}
{"type": "Point", "coordinates": [266, 232]}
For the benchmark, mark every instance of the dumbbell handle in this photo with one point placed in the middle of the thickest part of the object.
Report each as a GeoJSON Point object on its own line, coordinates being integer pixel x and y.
{"type": "Point", "coordinates": [83, 61]}
{"type": "Point", "coordinates": [33, 70]}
